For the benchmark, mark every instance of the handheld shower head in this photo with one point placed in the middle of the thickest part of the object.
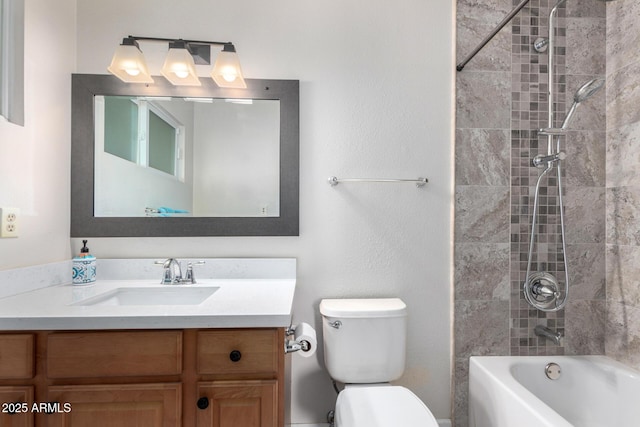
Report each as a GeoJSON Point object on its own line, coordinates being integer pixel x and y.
{"type": "Point", "coordinates": [588, 89]}
{"type": "Point", "coordinates": [585, 92]}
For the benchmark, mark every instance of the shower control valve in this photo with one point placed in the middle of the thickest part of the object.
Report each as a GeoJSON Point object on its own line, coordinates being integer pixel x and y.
{"type": "Point", "coordinates": [541, 161]}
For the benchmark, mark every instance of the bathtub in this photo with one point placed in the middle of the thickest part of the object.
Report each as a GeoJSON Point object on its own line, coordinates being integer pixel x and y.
{"type": "Point", "coordinates": [591, 391]}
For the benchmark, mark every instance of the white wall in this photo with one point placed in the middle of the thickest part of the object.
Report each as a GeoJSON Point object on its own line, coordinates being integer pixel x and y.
{"type": "Point", "coordinates": [34, 159]}
{"type": "Point", "coordinates": [375, 101]}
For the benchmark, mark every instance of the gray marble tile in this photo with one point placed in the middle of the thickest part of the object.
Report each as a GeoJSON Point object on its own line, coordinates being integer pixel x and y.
{"type": "Point", "coordinates": [482, 157]}
{"type": "Point", "coordinates": [483, 99]}
{"type": "Point", "coordinates": [623, 155]}
{"type": "Point", "coordinates": [481, 328]}
{"type": "Point", "coordinates": [623, 274]}
{"type": "Point", "coordinates": [482, 214]}
{"type": "Point", "coordinates": [623, 96]}
{"type": "Point", "coordinates": [586, 271]}
{"type": "Point", "coordinates": [585, 214]}
{"type": "Point", "coordinates": [622, 337]}
{"type": "Point", "coordinates": [586, 158]}
{"type": "Point", "coordinates": [475, 20]}
{"type": "Point", "coordinates": [585, 8]}
{"type": "Point", "coordinates": [481, 271]}
{"type": "Point", "coordinates": [623, 215]}
{"type": "Point", "coordinates": [586, 48]}
{"type": "Point", "coordinates": [623, 33]}
{"type": "Point", "coordinates": [585, 327]}
{"type": "Point", "coordinates": [461, 392]}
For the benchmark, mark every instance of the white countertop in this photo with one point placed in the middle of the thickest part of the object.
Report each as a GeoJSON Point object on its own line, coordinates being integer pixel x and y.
{"type": "Point", "coordinates": [238, 303]}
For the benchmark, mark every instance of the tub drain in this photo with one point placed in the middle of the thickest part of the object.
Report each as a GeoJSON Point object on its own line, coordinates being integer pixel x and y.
{"type": "Point", "coordinates": [552, 371]}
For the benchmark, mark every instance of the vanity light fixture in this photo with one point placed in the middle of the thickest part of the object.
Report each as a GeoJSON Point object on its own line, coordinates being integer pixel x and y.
{"type": "Point", "coordinates": [179, 67]}
{"type": "Point", "coordinates": [128, 62]}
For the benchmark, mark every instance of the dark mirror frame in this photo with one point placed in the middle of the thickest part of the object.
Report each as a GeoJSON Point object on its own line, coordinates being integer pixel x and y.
{"type": "Point", "coordinates": [85, 224]}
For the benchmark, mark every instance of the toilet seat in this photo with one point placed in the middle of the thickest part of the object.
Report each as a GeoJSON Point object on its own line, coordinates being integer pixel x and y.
{"type": "Point", "coordinates": [381, 406]}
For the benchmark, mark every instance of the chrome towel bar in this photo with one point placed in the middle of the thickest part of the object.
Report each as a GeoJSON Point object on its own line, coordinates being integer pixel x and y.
{"type": "Point", "coordinates": [420, 182]}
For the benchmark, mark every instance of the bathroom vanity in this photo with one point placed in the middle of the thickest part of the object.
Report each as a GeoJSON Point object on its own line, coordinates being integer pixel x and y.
{"type": "Point", "coordinates": [190, 377]}
{"type": "Point", "coordinates": [78, 356]}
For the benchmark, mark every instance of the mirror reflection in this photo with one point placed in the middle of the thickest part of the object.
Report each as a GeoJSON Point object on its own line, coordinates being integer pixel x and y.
{"type": "Point", "coordinates": [180, 156]}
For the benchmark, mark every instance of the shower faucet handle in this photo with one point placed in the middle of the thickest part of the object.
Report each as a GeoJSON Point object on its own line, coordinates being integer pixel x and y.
{"type": "Point", "coordinates": [541, 161]}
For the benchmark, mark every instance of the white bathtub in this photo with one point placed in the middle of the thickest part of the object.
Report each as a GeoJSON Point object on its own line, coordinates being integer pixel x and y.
{"type": "Point", "coordinates": [592, 391]}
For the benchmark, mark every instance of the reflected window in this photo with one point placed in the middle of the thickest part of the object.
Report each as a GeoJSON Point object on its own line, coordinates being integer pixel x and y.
{"type": "Point", "coordinates": [143, 132]}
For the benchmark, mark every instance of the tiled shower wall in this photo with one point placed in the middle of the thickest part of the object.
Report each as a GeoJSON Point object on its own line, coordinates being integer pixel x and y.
{"type": "Point", "coordinates": [501, 102]}
{"type": "Point", "coordinates": [623, 187]}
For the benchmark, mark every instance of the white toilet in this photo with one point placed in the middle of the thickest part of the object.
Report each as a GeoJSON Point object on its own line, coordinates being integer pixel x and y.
{"type": "Point", "coordinates": [364, 348]}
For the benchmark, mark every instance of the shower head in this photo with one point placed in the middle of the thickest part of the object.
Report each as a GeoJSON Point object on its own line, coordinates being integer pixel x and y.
{"type": "Point", "coordinates": [585, 92]}
{"type": "Point", "coordinates": [588, 89]}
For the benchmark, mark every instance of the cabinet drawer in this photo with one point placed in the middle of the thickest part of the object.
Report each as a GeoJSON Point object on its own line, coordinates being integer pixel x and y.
{"type": "Point", "coordinates": [98, 354]}
{"type": "Point", "coordinates": [16, 356]}
{"type": "Point", "coordinates": [238, 351]}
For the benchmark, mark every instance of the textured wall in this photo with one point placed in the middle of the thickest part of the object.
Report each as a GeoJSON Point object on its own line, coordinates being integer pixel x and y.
{"type": "Point", "coordinates": [367, 109]}
{"type": "Point", "coordinates": [34, 164]}
{"type": "Point", "coordinates": [501, 101]}
{"type": "Point", "coordinates": [623, 191]}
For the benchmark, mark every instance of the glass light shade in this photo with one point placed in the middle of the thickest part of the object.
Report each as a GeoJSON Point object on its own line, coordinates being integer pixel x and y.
{"type": "Point", "coordinates": [128, 65]}
{"type": "Point", "coordinates": [179, 68]}
{"type": "Point", "coordinates": [227, 72]}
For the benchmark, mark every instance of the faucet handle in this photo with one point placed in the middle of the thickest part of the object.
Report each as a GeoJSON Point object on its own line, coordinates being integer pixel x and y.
{"type": "Point", "coordinates": [190, 276]}
{"type": "Point", "coordinates": [168, 275]}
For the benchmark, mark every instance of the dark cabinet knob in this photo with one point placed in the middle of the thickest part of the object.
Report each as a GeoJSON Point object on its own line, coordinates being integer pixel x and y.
{"type": "Point", "coordinates": [235, 356]}
{"type": "Point", "coordinates": [203, 403]}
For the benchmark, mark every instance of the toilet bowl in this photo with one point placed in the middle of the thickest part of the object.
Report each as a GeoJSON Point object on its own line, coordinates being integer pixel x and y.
{"type": "Point", "coordinates": [364, 348]}
{"type": "Point", "coordinates": [383, 406]}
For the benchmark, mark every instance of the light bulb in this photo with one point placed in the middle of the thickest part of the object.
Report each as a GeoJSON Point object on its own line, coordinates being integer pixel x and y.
{"type": "Point", "coordinates": [229, 77]}
{"type": "Point", "coordinates": [132, 71]}
{"type": "Point", "coordinates": [181, 73]}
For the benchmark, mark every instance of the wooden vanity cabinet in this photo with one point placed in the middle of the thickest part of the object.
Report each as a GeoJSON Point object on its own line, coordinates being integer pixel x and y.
{"type": "Point", "coordinates": [17, 370]}
{"type": "Point", "coordinates": [239, 378]}
{"type": "Point", "coordinates": [155, 378]}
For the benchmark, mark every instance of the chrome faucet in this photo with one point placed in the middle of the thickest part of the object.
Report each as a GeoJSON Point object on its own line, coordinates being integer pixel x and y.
{"type": "Point", "coordinates": [172, 274]}
{"type": "Point", "coordinates": [550, 334]}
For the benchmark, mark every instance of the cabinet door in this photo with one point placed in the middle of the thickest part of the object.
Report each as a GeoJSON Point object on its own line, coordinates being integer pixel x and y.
{"type": "Point", "coordinates": [122, 405]}
{"type": "Point", "coordinates": [16, 406]}
{"type": "Point", "coordinates": [237, 404]}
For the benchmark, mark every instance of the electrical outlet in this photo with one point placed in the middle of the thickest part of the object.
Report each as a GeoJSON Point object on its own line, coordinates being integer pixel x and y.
{"type": "Point", "coordinates": [9, 222]}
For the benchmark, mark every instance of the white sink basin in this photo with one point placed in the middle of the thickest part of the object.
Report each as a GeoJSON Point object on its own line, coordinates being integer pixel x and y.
{"type": "Point", "coordinates": [167, 295]}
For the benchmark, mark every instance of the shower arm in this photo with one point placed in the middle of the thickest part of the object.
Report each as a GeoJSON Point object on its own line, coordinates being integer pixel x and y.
{"type": "Point", "coordinates": [487, 39]}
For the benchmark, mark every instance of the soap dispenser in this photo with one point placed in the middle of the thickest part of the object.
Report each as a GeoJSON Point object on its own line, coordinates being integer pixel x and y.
{"type": "Point", "coordinates": [84, 267]}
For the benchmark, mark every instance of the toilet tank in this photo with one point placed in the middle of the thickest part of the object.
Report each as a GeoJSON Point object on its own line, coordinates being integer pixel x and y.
{"type": "Point", "coordinates": [364, 339]}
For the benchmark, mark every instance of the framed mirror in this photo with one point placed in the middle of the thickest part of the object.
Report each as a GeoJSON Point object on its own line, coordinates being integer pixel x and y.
{"type": "Point", "coordinates": [161, 160]}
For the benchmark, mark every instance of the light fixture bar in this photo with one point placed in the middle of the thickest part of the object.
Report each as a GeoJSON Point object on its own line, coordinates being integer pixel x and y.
{"type": "Point", "coordinates": [179, 66]}
{"type": "Point", "coordinates": [159, 39]}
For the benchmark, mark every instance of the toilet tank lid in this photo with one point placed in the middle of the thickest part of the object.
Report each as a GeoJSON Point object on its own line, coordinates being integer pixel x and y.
{"type": "Point", "coordinates": [370, 307]}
